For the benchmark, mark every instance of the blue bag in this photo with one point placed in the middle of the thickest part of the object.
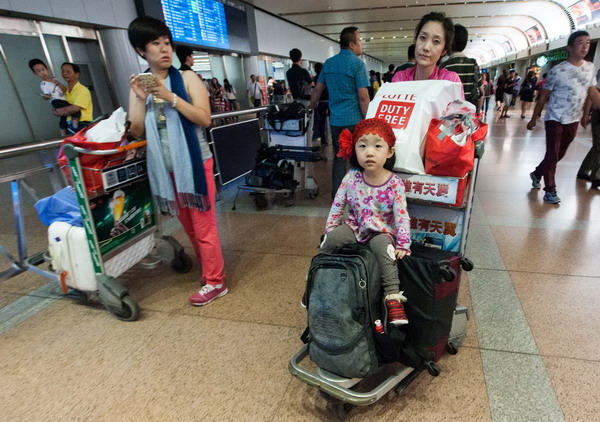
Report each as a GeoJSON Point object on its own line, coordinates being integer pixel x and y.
{"type": "Point", "coordinates": [62, 206]}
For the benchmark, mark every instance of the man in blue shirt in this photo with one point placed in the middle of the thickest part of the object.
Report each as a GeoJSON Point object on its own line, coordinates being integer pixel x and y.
{"type": "Point", "coordinates": [345, 77]}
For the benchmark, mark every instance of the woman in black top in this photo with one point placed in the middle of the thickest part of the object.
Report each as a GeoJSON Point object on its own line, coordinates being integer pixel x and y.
{"type": "Point", "coordinates": [527, 91]}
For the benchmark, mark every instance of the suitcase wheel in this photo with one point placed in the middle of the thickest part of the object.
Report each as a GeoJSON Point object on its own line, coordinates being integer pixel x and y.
{"type": "Point", "coordinates": [448, 273]}
{"type": "Point", "coordinates": [466, 264]}
{"type": "Point", "coordinates": [260, 201]}
{"type": "Point", "coordinates": [451, 349]}
{"type": "Point", "coordinates": [339, 409]}
{"type": "Point", "coordinates": [432, 368]}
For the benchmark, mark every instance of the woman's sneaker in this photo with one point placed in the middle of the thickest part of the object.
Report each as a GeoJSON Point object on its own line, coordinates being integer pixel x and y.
{"type": "Point", "coordinates": [395, 309]}
{"type": "Point", "coordinates": [208, 293]}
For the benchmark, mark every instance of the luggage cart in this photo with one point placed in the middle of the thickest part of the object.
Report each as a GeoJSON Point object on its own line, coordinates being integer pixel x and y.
{"type": "Point", "coordinates": [292, 139]}
{"type": "Point", "coordinates": [282, 154]}
{"type": "Point", "coordinates": [298, 135]}
{"type": "Point", "coordinates": [342, 394]}
{"type": "Point", "coordinates": [120, 224]}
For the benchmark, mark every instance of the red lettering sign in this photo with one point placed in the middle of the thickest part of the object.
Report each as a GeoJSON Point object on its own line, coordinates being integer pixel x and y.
{"type": "Point", "coordinates": [450, 229]}
{"type": "Point", "coordinates": [429, 189]}
{"type": "Point", "coordinates": [414, 223]}
{"type": "Point", "coordinates": [442, 189]}
{"type": "Point", "coordinates": [395, 113]}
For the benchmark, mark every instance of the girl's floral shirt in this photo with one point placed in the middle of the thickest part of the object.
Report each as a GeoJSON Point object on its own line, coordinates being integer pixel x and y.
{"type": "Point", "coordinates": [372, 209]}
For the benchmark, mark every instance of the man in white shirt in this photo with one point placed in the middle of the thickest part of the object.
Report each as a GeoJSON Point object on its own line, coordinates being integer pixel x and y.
{"type": "Point", "coordinates": [567, 86]}
{"type": "Point", "coordinates": [254, 91]}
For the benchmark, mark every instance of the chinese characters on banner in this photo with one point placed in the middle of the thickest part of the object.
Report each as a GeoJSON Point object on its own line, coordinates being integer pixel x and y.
{"type": "Point", "coordinates": [430, 188]}
{"type": "Point", "coordinates": [439, 228]}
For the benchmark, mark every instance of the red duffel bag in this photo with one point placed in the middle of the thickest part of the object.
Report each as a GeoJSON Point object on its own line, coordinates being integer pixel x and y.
{"type": "Point", "coordinates": [91, 165]}
{"type": "Point", "coordinates": [450, 143]}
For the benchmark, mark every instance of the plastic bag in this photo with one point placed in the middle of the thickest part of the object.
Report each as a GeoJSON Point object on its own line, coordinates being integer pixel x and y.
{"type": "Point", "coordinates": [449, 145]}
{"type": "Point", "coordinates": [408, 107]}
{"type": "Point", "coordinates": [90, 163]}
{"type": "Point", "coordinates": [62, 206]}
{"type": "Point", "coordinates": [110, 129]}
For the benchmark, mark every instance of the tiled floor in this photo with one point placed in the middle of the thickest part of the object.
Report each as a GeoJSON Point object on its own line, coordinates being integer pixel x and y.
{"type": "Point", "coordinates": [531, 353]}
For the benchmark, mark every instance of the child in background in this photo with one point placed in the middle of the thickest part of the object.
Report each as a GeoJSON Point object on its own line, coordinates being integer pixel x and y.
{"type": "Point", "coordinates": [376, 204]}
{"type": "Point", "coordinates": [54, 91]}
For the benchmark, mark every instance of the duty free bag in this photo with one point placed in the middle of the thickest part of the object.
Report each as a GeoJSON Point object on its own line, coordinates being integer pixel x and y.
{"type": "Point", "coordinates": [408, 107]}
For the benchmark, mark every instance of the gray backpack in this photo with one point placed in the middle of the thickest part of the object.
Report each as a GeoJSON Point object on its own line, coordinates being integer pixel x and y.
{"type": "Point", "coordinates": [343, 300]}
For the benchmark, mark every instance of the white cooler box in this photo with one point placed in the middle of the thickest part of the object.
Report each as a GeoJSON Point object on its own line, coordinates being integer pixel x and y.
{"type": "Point", "coordinates": [69, 251]}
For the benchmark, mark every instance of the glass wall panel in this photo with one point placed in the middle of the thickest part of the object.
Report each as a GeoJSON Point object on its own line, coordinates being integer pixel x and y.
{"type": "Point", "coordinates": [15, 129]}
{"type": "Point", "coordinates": [86, 54]}
{"type": "Point", "coordinates": [262, 68]}
{"type": "Point", "coordinates": [270, 70]}
{"type": "Point", "coordinates": [234, 70]}
{"type": "Point", "coordinates": [216, 66]}
{"type": "Point", "coordinates": [56, 51]}
{"type": "Point", "coordinates": [19, 49]}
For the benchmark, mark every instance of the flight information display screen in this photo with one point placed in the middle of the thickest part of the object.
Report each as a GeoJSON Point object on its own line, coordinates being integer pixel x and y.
{"type": "Point", "coordinates": [200, 22]}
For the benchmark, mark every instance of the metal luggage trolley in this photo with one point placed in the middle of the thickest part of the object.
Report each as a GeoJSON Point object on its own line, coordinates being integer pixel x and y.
{"type": "Point", "coordinates": [295, 137]}
{"type": "Point", "coordinates": [292, 141]}
{"type": "Point", "coordinates": [120, 223]}
{"type": "Point", "coordinates": [440, 218]}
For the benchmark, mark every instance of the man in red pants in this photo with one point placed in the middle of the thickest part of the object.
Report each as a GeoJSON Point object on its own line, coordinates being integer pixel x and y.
{"type": "Point", "coordinates": [567, 87]}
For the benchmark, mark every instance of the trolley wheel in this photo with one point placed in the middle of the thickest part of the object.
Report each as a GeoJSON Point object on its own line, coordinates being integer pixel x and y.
{"type": "Point", "coordinates": [466, 264]}
{"type": "Point", "coordinates": [451, 349]}
{"type": "Point", "coordinates": [432, 368]}
{"type": "Point", "coordinates": [326, 396]}
{"type": "Point", "coordinates": [339, 409]}
{"type": "Point", "coordinates": [313, 193]}
{"type": "Point", "coordinates": [182, 263]}
{"type": "Point", "coordinates": [130, 310]}
{"type": "Point", "coordinates": [448, 273]}
{"type": "Point", "coordinates": [290, 199]}
{"type": "Point", "coordinates": [260, 201]}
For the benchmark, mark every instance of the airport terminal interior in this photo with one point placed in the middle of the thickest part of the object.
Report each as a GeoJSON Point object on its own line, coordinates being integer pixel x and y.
{"type": "Point", "coordinates": [531, 350]}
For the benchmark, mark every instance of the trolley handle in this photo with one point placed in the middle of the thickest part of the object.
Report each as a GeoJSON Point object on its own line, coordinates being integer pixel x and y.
{"type": "Point", "coordinates": [124, 148]}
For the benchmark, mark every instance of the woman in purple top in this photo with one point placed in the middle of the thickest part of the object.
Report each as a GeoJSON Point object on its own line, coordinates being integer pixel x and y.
{"type": "Point", "coordinates": [433, 39]}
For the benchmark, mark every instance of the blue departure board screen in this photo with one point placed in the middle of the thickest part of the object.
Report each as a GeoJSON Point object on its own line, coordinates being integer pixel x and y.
{"type": "Point", "coordinates": [200, 22]}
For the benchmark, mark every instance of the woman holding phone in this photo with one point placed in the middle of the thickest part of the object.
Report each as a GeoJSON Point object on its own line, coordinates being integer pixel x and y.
{"type": "Point", "coordinates": [433, 40]}
{"type": "Point", "coordinates": [180, 164]}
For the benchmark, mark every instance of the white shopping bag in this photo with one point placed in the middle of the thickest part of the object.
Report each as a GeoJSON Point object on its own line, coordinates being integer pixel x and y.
{"type": "Point", "coordinates": [409, 107]}
{"type": "Point", "coordinates": [109, 130]}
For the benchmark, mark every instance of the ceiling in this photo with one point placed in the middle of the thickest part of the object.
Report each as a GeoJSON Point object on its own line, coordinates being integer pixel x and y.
{"type": "Point", "coordinates": [497, 29]}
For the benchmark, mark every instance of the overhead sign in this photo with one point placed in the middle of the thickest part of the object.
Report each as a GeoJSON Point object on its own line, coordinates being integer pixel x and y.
{"type": "Point", "coordinates": [541, 61]}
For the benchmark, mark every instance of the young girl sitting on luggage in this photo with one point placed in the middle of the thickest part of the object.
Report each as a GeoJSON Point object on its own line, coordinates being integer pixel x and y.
{"type": "Point", "coordinates": [376, 203]}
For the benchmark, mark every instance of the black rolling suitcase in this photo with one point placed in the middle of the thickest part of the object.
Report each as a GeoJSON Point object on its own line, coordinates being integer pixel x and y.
{"type": "Point", "coordinates": [430, 279]}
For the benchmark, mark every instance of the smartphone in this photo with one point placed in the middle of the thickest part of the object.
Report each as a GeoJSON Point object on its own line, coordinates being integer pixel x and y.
{"type": "Point", "coordinates": [147, 79]}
